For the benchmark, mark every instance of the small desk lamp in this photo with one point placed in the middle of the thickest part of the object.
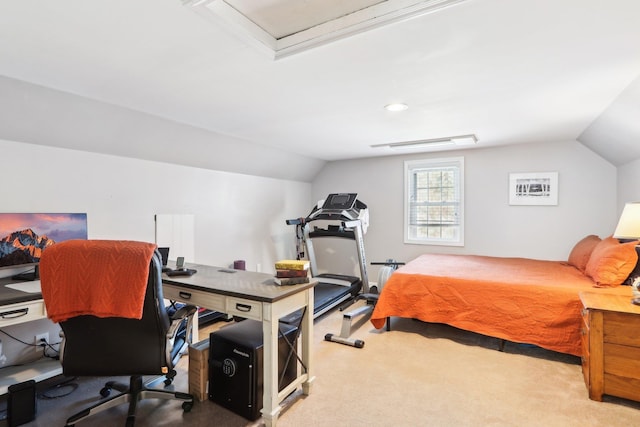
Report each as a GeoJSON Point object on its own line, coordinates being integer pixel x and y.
{"type": "Point", "coordinates": [629, 228]}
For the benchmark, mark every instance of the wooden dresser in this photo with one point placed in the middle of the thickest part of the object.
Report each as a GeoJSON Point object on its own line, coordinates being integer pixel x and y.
{"type": "Point", "coordinates": [611, 345]}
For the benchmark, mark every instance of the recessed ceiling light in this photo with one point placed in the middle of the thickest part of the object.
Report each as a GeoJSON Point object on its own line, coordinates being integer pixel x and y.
{"type": "Point", "coordinates": [396, 107]}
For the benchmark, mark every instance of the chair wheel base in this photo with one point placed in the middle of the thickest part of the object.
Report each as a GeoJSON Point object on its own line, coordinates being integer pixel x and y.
{"type": "Point", "coordinates": [135, 392]}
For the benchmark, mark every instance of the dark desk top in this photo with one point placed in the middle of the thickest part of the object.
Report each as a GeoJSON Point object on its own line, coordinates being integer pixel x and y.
{"type": "Point", "coordinates": [237, 283]}
{"type": "Point", "coordinates": [13, 296]}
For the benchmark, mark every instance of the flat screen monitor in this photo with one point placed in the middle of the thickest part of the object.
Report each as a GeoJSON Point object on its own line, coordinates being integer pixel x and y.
{"type": "Point", "coordinates": [23, 236]}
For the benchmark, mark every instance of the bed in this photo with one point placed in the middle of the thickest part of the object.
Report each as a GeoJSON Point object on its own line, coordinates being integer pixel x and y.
{"type": "Point", "coordinates": [516, 299]}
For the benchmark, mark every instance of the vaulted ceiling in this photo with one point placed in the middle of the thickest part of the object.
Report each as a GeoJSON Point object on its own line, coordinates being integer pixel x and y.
{"type": "Point", "coordinates": [507, 71]}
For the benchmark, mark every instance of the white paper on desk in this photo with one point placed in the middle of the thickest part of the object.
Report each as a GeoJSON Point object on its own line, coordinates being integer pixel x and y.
{"type": "Point", "coordinates": [32, 287]}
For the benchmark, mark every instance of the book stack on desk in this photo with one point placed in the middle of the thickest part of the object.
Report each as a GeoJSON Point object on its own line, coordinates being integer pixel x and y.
{"type": "Point", "coordinates": [291, 272]}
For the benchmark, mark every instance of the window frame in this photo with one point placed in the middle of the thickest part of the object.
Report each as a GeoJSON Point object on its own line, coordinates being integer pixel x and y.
{"type": "Point", "coordinates": [409, 167]}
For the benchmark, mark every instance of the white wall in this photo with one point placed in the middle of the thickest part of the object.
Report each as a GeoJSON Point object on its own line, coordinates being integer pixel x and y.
{"type": "Point", "coordinates": [628, 183]}
{"type": "Point", "coordinates": [587, 201]}
{"type": "Point", "coordinates": [236, 216]}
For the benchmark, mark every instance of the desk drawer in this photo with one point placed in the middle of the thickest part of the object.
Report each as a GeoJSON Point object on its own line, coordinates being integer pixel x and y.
{"type": "Point", "coordinates": [244, 308]}
{"type": "Point", "coordinates": [19, 313]}
{"type": "Point", "coordinates": [199, 298]}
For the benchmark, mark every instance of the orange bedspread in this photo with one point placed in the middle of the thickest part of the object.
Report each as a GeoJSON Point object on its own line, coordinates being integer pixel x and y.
{"type": "Point", "coordinates": [517, 299]}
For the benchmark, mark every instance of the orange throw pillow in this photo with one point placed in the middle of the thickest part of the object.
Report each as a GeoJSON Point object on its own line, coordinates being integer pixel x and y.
{"type": "Point", "coordinates": [611, 262]}
{"type": "Point", "coordinates": [581, 252]}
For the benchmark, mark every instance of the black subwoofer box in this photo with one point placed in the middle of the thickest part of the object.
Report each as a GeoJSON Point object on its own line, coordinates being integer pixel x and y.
{"type": "Point", "coordinates": [236, 366]}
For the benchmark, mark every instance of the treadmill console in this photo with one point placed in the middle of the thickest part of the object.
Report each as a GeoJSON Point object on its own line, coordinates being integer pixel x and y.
{"type": "Point", "coordinates": [338, 202]}
{"type": "Point", "coordinates": [338, 206]}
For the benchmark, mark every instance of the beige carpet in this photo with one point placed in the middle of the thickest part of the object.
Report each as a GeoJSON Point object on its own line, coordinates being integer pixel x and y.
{"type": "Point", "coordinates": [416, 375]}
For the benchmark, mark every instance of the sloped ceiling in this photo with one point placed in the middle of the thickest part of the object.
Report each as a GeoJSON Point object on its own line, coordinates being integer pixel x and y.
{"type": "Point", "coordinates": [508, 71]}
{"type": "Point", "coordinates": [615, 134]}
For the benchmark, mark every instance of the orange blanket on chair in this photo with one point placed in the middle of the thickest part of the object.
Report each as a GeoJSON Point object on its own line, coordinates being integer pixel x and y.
{"type": "Point", "coordinates": [103, 278]}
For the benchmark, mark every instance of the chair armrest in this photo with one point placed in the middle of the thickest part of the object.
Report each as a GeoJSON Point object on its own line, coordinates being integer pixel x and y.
{"type": "Point", "coordinates": [174, 350]}
{"type": "Point", "coordinates": [184, 311]}
{"type": "Point", "coordinates": [177, 317]}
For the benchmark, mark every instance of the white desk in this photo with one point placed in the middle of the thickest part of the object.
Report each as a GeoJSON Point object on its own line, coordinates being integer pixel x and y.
{"type": "Point", "coordinates": [16, 307]}
{"type": "Point", "coordinates": [253, 296]}
{"type": "Point", "coordinates": [240, 293]}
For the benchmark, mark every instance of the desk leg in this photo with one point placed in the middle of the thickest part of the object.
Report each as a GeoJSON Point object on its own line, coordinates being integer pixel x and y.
{"type": "Point", "coordinates": [195, 327]}
{"type": "Point", "coordinates": [307, 342]}
{"type": "Point", "coordinates": [270, 405]}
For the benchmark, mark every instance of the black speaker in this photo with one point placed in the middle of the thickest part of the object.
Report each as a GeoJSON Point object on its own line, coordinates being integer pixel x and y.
{"type": "Point", "coordinates": [21, 403]}
{"type": "Point", "coordinates": [236, 366]}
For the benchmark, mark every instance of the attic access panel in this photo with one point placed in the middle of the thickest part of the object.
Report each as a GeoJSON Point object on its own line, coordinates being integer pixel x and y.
{"type": "Point", "coordinates": [284, 27]}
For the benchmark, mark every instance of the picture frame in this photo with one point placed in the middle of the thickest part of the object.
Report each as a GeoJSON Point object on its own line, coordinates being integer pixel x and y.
{"type": "Point", "coordinates": [533, 189]}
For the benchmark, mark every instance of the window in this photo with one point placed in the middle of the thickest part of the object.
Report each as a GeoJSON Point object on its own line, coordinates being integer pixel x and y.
{"type": "Point", "coordinates": [434, 195]}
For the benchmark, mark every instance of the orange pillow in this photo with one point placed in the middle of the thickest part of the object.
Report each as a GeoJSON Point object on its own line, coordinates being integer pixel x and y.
{"type": "Point", "coordinates": [579, 256]}
{"type": "Point", "coordinates": [611, 262]}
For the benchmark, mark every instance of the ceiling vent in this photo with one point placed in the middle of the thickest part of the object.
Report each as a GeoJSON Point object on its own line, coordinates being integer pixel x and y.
{"type": "Point", "coordinates": [426, 144]}
{"type": "Point", "coordinates": [284, 27]}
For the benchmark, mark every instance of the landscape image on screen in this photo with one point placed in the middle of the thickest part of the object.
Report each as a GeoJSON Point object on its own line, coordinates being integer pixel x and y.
{"type": "Point", "coordinates": [23, 236]}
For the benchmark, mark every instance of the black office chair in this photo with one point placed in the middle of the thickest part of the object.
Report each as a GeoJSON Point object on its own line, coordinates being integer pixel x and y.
{"type": "Point", "coordinates": [116, 346]}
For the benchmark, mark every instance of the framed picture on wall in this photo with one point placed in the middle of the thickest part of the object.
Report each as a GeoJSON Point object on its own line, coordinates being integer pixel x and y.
{"type": "Point", "coordinates": [533, 188]}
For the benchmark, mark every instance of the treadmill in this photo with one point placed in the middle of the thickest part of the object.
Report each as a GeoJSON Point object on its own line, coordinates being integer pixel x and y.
{"type": "Point", "coordinates": [342, 216]}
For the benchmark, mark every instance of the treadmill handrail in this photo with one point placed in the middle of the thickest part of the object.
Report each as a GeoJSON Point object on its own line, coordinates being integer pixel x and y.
{"type": "Point", "coordinates": [320, 232]}
{"type": "Point", "coordinates": [331, 215]}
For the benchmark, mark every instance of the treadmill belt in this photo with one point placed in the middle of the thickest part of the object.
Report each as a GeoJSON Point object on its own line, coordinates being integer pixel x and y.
{"type": "Point", "coordinates": [328, 295]}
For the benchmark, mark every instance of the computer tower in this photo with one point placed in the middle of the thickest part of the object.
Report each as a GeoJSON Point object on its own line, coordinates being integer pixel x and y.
{"type": "Point", "coordinates": [21, 404]}
{"type": "Point", "coordinates": [236, 366]}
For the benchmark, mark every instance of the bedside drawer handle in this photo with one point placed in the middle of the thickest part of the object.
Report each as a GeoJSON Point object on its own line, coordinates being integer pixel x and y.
{"type": "Point", "coordinates": [13, 314]}
{"type": "Point", "coordinates": [185, 295]}
{"type": "Point", "coordinates": [243, 307]}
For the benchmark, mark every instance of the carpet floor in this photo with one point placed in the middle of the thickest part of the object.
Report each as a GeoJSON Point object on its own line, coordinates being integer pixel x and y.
{"type": "Point", "coordinates": [417, 374]}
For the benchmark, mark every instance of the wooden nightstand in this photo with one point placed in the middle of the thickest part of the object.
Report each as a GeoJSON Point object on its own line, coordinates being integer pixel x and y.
{"type": "Point", "coordinates": [611, 345]}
